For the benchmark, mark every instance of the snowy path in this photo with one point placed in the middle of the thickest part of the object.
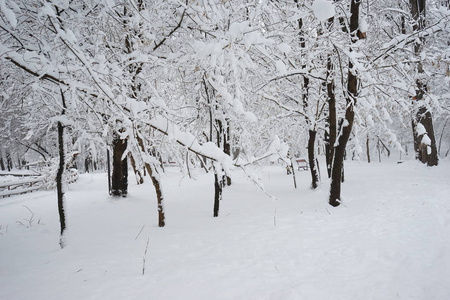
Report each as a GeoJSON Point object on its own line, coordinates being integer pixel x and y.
{"type": "Point", "coordinates": [391, 240]}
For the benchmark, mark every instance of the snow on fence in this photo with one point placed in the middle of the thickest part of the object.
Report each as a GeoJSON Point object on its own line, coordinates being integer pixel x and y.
{"type": "Point", "coordinates": [18, 187]}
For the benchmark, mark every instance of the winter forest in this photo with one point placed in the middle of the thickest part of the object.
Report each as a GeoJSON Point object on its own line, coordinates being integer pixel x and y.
{"type": "Point", "coordinates": [321, 116]}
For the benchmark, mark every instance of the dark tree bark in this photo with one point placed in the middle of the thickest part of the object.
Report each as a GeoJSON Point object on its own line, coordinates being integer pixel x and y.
{"type": "Point", "coordinates": [2, 164]}
{"type": "Point", "coordinates": [332, 133]}
{"type": "Point", "coordinates": [108, 161]}
{"type": "Point", "coordinates": [137, 173]}
{"type": "Point", "coordinates": [312, 132]}
{"type": "Point", "coordinates": [426, 153]}
{"type": "Point", "coordinates": [9, 163]}
{"type": "Point", "coordinates": [59, 177]}
{"type": "Point", "coordinates": [313, 167]}
{"type": "Point", "coordinates": [352, 93]}
{"type": "Point", "coordinates": [368, 149]}
{"type": "Point", "coordinates": [227, 148]}
{"type": "Point", "coordinates": [119, 182]}
{"type": "Point", "coordinates": [218, 188]}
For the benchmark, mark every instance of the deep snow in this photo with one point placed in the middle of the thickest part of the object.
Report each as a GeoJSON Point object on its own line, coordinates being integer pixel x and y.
{"type": "Point", "coordinates": [389, 240]}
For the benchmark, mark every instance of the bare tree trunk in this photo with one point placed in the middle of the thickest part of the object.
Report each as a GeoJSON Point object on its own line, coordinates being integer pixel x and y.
{"type": "Point", "coordinates": [2, 164]}
{"type": "Point", "coordinates": [293, 173]}
{"type": "Point", "coordinates": [425, 152]}
{"type": "Point", "coordinates": [119, 181]}
{"type": "Point", "coordinates": [59, 178]}
{"type": "Point", "coordinates": [331, 138]}
{"type": "Point", "coordinates": [159, 194]}
{"type": "Point", "coordinates": [227, 148]}
{"type": "Point", "coordinates": [157, 185]}
{"type": "Point", "coordinates": [108, 161]}
{"type": "Point", "coordinates": [312, 160]}
{"type": "Point", "coordinates": [218, 187]}
{"type": "Point", "coordinates": [368, 149]}
{"type": "Point", "coordinates": [352, 89]}
{"type": "Point", "coordinates": [137, 173]}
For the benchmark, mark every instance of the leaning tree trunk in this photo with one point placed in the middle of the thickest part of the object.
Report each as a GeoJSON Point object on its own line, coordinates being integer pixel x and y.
{"type": "Point", "coordinates": [137, 173]}
{"type": "Point", "coordinates": [424, 143]}
{"type": "Point", "coordinates": [159, 194]}
{"type": "Point", "coordinates": [154, 176]}
{"type": "Point", "coordinates": [59, 178]}
{"type": "Point", "coordinates": [352, 93]}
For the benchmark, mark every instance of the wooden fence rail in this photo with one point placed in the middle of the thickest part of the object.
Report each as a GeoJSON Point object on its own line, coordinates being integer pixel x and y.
{"type": "Point", "coordinates": [19, 187]}
{"type": "Point", "coordinates": [23, 186]}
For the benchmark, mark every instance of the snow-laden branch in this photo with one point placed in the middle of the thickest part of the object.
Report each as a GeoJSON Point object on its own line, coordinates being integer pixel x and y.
{"type": "Point", "coordinates": [210, 150]}
{"type": "Point", "coordinates": [402, 40]}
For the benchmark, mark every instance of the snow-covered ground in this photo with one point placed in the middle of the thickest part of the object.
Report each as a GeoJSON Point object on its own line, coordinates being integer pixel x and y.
{"type": "Point", "coordinates": [389, 240]}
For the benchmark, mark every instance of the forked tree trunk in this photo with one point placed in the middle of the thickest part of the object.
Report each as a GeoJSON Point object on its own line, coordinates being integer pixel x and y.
{"type": "Point", "coordinates": [352, 93]}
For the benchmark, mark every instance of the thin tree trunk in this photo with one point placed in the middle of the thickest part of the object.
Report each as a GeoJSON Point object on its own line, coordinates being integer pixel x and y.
{"type": "Point", "coordinates": [217, 192]}
{"type": "Point", "coordinates": [108, 161]}
{"type": "Point", "coordinates": [158, 187]}
{"type": "Point", "coordinates": [330, 136]}
{"type": "Point", "coordinates": [312, 159]}
{"type": "Point", "coordinates": [293, 173]}
{"type": "Point", "coordinates": [227, 148]}
{"type": "Point", "coordinates": [8, 161]}
{"type": "Point", "coordinates": [2, 164]}
{"type": "Point", "coordinates": [137, 173]}
{"type": "Point", "coordinates": [159, 194]}
{"type": "Point", "coordinates": [352, 93]}
{"type": "Point", "coordinates": [368, 149]}
{"type": "Point", "coordinates": [59, 178]}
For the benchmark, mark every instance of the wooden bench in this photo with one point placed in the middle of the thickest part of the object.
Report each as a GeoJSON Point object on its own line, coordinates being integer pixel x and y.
{"type": "Point", "coordinates": [302, 164]}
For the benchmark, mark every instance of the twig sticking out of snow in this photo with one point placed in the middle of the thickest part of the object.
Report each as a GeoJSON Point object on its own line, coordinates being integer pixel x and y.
{"type": "Point", "coordinates": [140, 232]}
{"type": "Point", "coordinates": [145, 255]}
